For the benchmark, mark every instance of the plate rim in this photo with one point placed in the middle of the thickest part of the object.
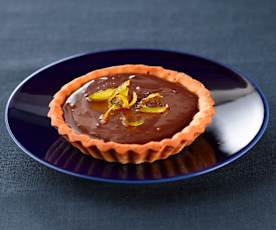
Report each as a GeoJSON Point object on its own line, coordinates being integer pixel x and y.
{"type": "Point", "coordinates": [231, 159]}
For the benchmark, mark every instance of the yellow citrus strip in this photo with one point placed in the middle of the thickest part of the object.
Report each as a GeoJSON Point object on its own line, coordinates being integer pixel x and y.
{"type": "Point", "coordinates": [133, 100]}
{"type": "Point", "coordinates": [146, 109]}
{"type": "Point", "coordinates": [104, 117]}
{"type": "Point", "coordinates": [121, 90]}
{"type": "Point", "coordinates": [150, 98]}
{"type": "Point", "coordinates": [123, 102]}
{"type": "Point", "coordinates": [101, 95]}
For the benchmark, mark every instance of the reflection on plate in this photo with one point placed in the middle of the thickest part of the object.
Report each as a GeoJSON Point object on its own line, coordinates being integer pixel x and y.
{"type": "Point", "coordinates": [196, 157]}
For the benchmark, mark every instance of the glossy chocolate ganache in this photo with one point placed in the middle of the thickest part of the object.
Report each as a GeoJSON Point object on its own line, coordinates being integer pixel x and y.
{"type": "Point", "coordinates": [160, 109]}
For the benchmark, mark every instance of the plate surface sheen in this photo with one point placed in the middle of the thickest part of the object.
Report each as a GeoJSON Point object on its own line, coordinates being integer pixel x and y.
{"type": "Point", "coordinates": [241, 118]}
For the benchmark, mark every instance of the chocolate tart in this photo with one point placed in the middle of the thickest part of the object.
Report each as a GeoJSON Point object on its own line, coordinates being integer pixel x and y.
{"type": "Point", "coordinates": [131, 113]}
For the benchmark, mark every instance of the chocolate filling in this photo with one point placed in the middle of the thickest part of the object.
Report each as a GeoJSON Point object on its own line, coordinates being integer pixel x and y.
{"type": "Point", "coordinates": [83, 115]}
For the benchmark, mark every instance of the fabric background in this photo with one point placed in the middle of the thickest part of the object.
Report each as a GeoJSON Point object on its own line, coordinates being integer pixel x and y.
{"type": "Point", "coordinates": [238, 33]}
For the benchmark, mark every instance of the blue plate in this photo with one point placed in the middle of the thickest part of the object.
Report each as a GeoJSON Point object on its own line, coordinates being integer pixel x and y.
{"type": "Point", "coordinates": [241, 118]}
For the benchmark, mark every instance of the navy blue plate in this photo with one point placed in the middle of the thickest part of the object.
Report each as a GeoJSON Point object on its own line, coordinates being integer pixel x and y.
{"type": "Point", "coordinates": [241, 118]}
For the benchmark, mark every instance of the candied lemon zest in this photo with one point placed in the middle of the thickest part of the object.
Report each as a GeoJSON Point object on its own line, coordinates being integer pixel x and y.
{"type": "Point", "coordinates": [123, 102]}
{"type": "Point", "coordinates": [150, 98]}
{"type": "Point", "coordinates": [133, 100]}
{"type": "Point", "coordinates": [104, 117]}
{"type": "Point", "coordinates": [127, 123]}
{"type": "Point", "coordinates": [117, 98]}
{"type": "Point", "coordinates": [121, 90]}
{"type": "Point", "coordinates": [101, 95]}
{"type": "Point", "coordinates": [146, 109]}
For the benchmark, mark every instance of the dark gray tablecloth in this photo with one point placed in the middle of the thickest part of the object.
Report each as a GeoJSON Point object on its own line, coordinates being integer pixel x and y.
{"type": "Point", "coordinates": [239, 33]}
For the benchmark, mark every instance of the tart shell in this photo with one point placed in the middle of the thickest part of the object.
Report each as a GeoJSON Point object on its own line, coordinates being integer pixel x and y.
{"type": "Point", "coordinates": [134, 153]}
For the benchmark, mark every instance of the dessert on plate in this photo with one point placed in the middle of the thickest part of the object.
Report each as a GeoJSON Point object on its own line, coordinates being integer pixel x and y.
{"type": "Point", "coordinates": [131, 113]}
